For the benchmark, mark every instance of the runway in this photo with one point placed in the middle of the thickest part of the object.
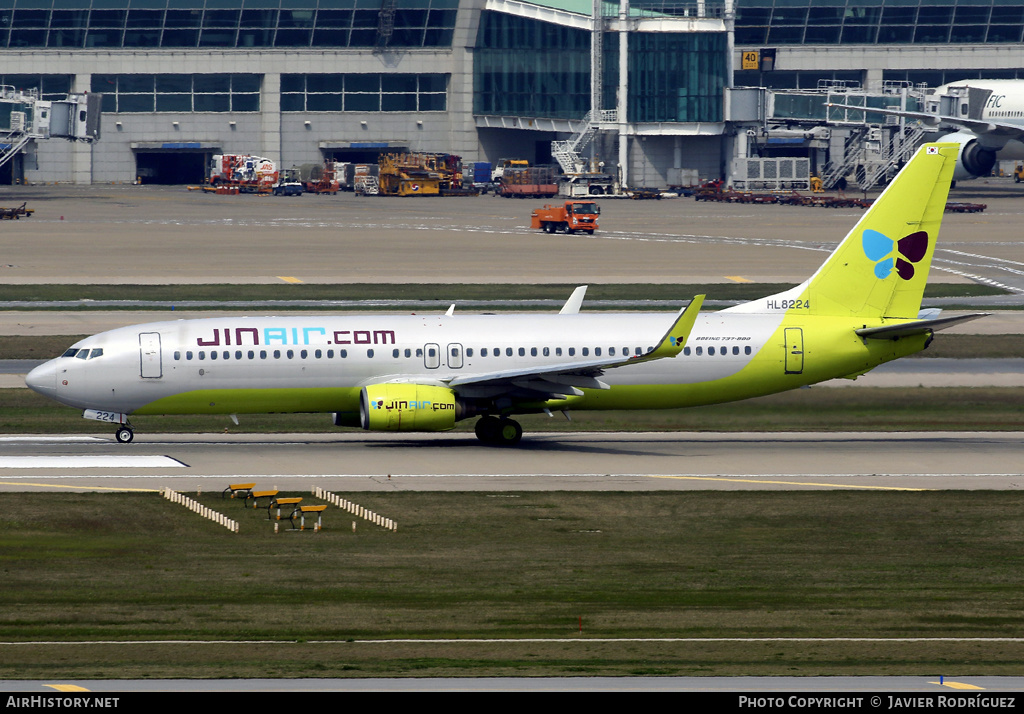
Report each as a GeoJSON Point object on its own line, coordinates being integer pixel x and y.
{"type": "Point", "coordinates": [350, 462]}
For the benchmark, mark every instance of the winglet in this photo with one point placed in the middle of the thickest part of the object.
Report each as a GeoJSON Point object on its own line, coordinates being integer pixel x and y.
{"type": "Point", "coordinates": [674, 340]}
{"type": "Point", "coordinates": [572, 305]}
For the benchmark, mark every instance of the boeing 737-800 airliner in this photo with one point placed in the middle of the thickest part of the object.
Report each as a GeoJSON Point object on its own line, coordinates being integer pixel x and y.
{"type": "Point", "coordinates": [425, 373]}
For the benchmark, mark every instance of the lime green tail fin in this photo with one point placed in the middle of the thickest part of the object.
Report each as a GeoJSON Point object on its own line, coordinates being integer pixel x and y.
{"type": "Point", "coordinates": [881, 267]}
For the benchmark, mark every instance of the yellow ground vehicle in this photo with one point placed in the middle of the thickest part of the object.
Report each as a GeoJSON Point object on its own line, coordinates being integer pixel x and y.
{"type": "Point", "coordinates": [421, 175]}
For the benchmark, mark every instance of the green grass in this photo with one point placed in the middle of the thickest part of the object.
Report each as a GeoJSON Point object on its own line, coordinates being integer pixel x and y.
{"type": "Point", "coordinates": [83, 567]}
{"type": "Point", "coordinates": [817, 409]}
{"type": "Point", "coordinates": [418, 291]}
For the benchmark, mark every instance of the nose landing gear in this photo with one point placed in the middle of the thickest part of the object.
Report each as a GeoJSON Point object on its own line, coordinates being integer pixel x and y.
{"type": "Point", "coordinates": [124, 434]}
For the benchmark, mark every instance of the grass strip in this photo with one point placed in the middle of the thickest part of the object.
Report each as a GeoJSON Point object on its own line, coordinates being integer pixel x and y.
{"type": "Point", "coordinates": [553, 565]}
{"type": "Point", "coordinates": [424, 291]}
{"type": "Point", "coordinates": [823, 409]}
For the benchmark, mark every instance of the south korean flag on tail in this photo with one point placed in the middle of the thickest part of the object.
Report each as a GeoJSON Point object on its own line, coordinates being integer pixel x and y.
{"type": "Point", "coordinates": [932, 150]}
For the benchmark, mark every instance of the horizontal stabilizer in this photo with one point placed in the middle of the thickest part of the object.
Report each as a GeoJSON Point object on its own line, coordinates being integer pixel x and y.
{"type": "Point", "coordinates": [905, 329]}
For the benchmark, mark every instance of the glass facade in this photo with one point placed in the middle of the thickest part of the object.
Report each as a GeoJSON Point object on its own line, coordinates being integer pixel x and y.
{"type": "Point", "coordinates": [364, 92]}
{"type": "Point", "coordinates": [524, 67]}
{"type": "Point", "coordinates": [676, 77]}
{"type": "Point", "coordinates": [141, 93]}
{"type": "Point", "coordinates": [224, 23]}
{"type": "Point", "coordinates": [52, 87]}
{"type": "Point", "coordinates": [882, 22]}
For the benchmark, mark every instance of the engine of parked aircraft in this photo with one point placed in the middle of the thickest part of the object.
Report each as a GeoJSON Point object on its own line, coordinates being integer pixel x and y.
{"type": "Point", "coordinates": [975, 160]}
{"type": "Point", "coordinates": [407, 407]}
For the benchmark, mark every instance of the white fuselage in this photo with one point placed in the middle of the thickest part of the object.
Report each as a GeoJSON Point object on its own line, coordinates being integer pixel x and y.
{"type": "Point", "coordinates": [142, 364]}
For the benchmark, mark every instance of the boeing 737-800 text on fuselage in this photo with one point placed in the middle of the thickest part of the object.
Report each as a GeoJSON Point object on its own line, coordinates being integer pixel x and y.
{"type": "Point", "coordinates": [425, 373]}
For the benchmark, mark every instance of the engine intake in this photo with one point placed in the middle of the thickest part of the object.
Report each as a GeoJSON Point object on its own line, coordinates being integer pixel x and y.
{"type": "Point", "coordinates": [974, 160]}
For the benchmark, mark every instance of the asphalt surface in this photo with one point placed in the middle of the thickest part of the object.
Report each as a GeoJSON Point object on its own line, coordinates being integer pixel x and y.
{"type": "Point", "coordinates": [360, 461]}
{"type": "Point", "coordinates": [156, 234]}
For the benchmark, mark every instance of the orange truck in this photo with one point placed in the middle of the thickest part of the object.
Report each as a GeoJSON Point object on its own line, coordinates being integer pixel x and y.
{"type": "Point", "coordinates": [569, 217]}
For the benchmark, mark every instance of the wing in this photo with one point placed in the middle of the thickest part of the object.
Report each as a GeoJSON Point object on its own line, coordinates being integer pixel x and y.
{"type": "Point", "coordinates": [556, 381]}
{"type": "Point", "coordinates": [978, 126]}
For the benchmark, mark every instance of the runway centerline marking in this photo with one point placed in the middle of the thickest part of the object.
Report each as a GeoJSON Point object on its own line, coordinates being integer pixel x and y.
{"type": "Point", "coordinates": [787, 483]}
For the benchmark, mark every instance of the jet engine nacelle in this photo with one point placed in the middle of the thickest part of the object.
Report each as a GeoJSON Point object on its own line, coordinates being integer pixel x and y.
{"type": "Point", "coordinates": [974, 160]}
{"type": "Point", "coordinates": [407, 407]}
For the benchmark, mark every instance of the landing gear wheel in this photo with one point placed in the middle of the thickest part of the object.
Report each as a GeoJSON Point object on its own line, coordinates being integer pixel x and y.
{"type": "Point", "coordinates": [124, 435]}
{"type": "Point", "coordinates": [509, 432]}
{"type": "Point", "coordinates": [486, 429]}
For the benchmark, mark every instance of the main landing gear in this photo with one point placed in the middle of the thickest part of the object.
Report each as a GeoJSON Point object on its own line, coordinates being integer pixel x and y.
{"type": "Point", "coordinates": [498, 431]}
{"type": "Point", "coordinates": [124, 434]}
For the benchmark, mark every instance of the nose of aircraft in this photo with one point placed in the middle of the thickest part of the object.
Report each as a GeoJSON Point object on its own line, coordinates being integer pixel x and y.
{"type": "Point", "coordinates": [43, 378]}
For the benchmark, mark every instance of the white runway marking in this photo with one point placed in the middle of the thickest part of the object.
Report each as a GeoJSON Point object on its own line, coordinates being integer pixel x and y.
{"type": "Point", "coordinates": [89, 462]}
{"type": "Point", "coordinates": [55, 439]}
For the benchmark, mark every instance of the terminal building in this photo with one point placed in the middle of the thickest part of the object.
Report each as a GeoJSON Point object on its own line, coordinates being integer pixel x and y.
{"type": "Point", "coordinates": [645, 88]}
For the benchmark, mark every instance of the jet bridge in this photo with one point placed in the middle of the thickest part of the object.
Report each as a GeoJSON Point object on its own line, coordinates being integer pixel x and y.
{"type": "Point", "coordinates": [856, 146]}
{"type": "Point", "coordinates": [25, 117]}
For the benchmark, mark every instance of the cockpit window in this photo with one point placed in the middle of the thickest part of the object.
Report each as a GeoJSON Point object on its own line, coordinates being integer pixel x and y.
{"type": "Point", "coordinates": [82, 354]}
{"type": "Point", "coordinates": [70, 353]}
{"type": "Point", "coordinates": [97, 352]}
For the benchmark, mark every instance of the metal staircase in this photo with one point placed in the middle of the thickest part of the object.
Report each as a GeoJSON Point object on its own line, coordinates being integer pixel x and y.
{"type": "Point", "coordinates": [897, 152]}
{"type": "Point", "coordinates": [567, 153]}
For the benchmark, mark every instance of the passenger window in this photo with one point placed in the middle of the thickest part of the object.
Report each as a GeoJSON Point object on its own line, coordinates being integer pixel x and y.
{"type": "Point", "coordinates": [522, 351]}
{"type": "Point", "coordinates": [711, 350]}
{"type": "Point", "coordinates": [686, 351]}
{"type": "Point", "coordinates": [277, 354]}
{"type": "Point", "coordinates": [304, 354]}
{"type": "Point", "coordinates": [508, 351]}
{"type": "Point", "coordinates": [188, 355]}
{"type": "Point", "coordinates": [263, 354]}
{"type": "Point", "coordinates": [238, 354]}
{"type": "Point", "coordinates": [572, 351]}
{"type": "Point", "coordinates": [213, 355]}
{"type": "Point", "coordinates": [369, 353]}
{"type": "Point", "coordinates": [318, 354]}
{"type": "Point", "coordinates": [251, 354]}
{"type": "Point", "coordinates": [483, 351]}
{"type": "Point", "coordinates": [469, 351]}
{"type": "Point", "coordinates": [395, 353]}
{"type": "Point", "coordinates": [597, 351]}
{"type": "Point", "coordinates": [735, 350]}
{"type": "Point", "coordinates": [290, 354]}
{"type": "Point", "coordinates": [533, 351]}
{"type": "Point", "coordinates": [408, 352]}
{"type": "Point", "coordinates": [330, 354]}
{"type": "Point", "coordinates": [586, 351]}
{"type": "Point", "coordinates": [558, 352]}
{"type": "Point", "coordinates": [202, 355]}
{"type": "Point", "coordinates": [177, 356]}
{"type": "Point", "coordinates": [547, 352]}
{"type": "Point", "coordinates": [746, 350]}
{"type": "Point", "coordinates": [699, 351]}
{"type": "Point", "coordinates": [343, 354]}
